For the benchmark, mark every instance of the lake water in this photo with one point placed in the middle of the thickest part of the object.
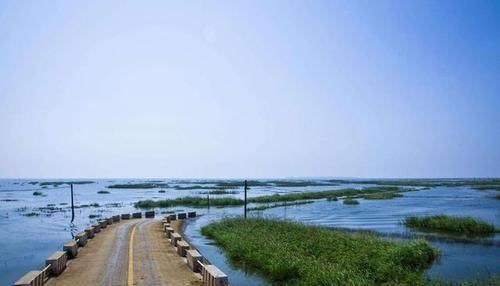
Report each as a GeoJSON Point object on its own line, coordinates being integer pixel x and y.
{"type": "Point", "coordinates": [25, 241]}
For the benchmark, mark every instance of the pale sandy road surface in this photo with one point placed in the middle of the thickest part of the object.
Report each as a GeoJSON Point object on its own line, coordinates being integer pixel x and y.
{"type": "Point", "coordinates": [105, 259]}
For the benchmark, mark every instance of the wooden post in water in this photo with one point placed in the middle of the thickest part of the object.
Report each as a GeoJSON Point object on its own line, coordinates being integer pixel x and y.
{"type": "Point", "coordinates": [72, 205]}
{"type": "Point", "coordinates": [246, 187]}
{"type": "Point", "coordinates": [208, 201]}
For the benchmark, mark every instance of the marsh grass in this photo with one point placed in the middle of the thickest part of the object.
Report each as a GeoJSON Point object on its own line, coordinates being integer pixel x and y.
{"type": "Point", "coordinates": [138, 186]}
{"type": "Point", "coordinates": [103, 192]}
{"type": "Point", "coordinates": [456, 224]}
{"type": "Point", "coordinates": [382, 196]}
{"type": "Point", "coordinates": [350, 201]}
{"type": "Point", "coordinates": [58, 183]}
{"type": "Point", "coordinates": [37, 193]}
{"type": "Point", "coordinates": [289, 253]}
{"type": "Point", "coordinates": [197, 202]}
{"type": "Point", "coordinates": [277, 205]}
{"type": "Point", "coordinates": [220, 192]}
{"type": "Point", "coordinates": [325, 194]}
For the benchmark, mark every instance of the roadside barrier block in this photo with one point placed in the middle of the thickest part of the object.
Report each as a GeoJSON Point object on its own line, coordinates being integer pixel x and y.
{"type": "Point", "coordinates": [71, 248]}
{"type": "Point", "coordinates": [165, 225]}
{"type": "Point", "coordinates": [32, 278]}
{"type": "Point", "coordinates": [57, 262]}
{"type": "Point", "coordinates": [109, 220]}
{"type": "Point", "coordinates": [97, 228]}
{"type": "Point", "coordinates": [116, 218]}
{"type": "Point", "coordinates": [193, 256]}
{"type": "Point", "coordinates": [182, 246]}
{"type": "Point", "coordinates": [191, 214]}
{"type": "Point", "coordinates": [181, 216]}
{"type": "Point", "coordinates": [174, 238]}
{"type": "Point", "coordinates": [169, 231]}
{"type": "Point", "coordinates": [90, 232]}
{"type": "Point", "coordinates": [172, 217]}
{"type": "Point", "coordinates": [82, 238]}
{"type": "Point", "coordinates": [213, 276]}
{"type": "Point", "coordinates": [137, 215]}
{"type": "Point", "coordinates": [103, 223]}
{"type": "Point", "coordinates": [125, 216]}
{"type": "Point", "coordinates": [149, 214]}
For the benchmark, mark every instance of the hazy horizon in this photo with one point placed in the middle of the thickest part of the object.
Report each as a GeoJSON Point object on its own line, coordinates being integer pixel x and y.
{"type": "Point", "coordinates": [261, 89]}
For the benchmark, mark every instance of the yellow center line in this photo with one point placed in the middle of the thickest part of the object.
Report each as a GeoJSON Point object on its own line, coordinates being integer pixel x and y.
{"type": "Point", "coordinates": [131, 258]}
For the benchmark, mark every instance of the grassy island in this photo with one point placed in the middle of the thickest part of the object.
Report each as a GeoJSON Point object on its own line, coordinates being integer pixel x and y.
{"type": "Point", "coordinates": [445, 223]}
{"type": "Point", "coordinates": [289, 253]}
{"type": "Point", "coordinates": [197, 202]}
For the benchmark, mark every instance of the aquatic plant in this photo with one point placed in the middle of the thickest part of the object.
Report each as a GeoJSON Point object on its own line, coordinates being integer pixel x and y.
{"type": "Point", "coordinates": [196, 202]}
{"type": "Point", "coordinates": [457, 224]}
{"type": "Point", "coordinates": [332, 198]}
{"type": "Point", "coordinates": [37, 193]}
{"type": "Point", "coordinates": [325, 194]}
{"type": "Point", "coordinates": [220, 192]}
{"type": "Point", "coordinates": [91, 216]}
{"type": "Point", "coordinates": [138, 186]}
{"type": "Point", "coordinates": [382, 196]}
{"type": "Point", "coordinates": [103, 192]}
{"type": "Point", "coordinates": [350, 201]}
{"type": "Point", "coordinates": [300, 183]}
{"type": "Point", "coordinates": [277, 205]}
{"type": "Point", "coordinates": [58, 183]}
{"type": "Point", "coordinates": [290, 253]}
{"type": "Point", "coordinates": [161, 191]}
{"type": "Point", "coordinates": [31, 214]}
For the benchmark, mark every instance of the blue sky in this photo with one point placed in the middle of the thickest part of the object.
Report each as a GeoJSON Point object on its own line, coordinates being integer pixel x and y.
{"type": "Point", "coordinates": [249, 88]}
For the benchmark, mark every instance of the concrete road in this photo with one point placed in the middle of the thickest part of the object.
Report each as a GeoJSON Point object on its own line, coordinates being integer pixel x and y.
{"type": "Point", "coordinates": [134, 252]}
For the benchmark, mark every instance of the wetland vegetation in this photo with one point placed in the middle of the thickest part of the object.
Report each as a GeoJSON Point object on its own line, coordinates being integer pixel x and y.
{"type": "Point", "coordinates": [456, 224]}
{"type": "Point", "coordinates": [289, 253]}
{"type": "Point", "coordinates": [277, 205]}
{"type": "Point", "coordinates": [197, 202]}
{"type": "Point", "coordinates": [350, 201]}
{"type": "Point", "coordinates": [138, 186]}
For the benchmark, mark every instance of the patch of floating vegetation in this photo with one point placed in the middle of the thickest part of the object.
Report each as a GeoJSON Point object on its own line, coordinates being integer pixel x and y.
{"type": "Point", "coordinates": [138, 186]}
{"type": "Point", "coordinates": [103, 192]}
{"type": "Point", "coordinates": [31, 214]}
{"type": "Point", "coordinates": [230, 201]}
{"type": "Point", "coordinates": [326, 194]}
{"type": "Point", "coordinates": [487, 188]}
{"type": "Point", "coordinates": [456, 224]}
{"type": "Point", "coordinates": [37, 193]}
{"type": "Point", "coordinates": [161, 191]}
{"type": "Point", "coordinates": [350, 201]}
{"type": "Point", "coordinates": [189, 201]}
{"type": "Point", "coordinates": [300, 183]}
{"type": "Point", "coordinates": [382, 196]}
{"type": "Point", "coordinates": [9, 200]}
{"type": "Point", "coordinates": [277, 205]}
{"type": "Point", "coordinates": [91, 216]}
{"type": "Point", "coordinates": [473, 183]}
{"type": "Point", "coordinates": [58, 183]}
{"type": "Point", "coordinates": [220, 192]}
{"type": "Point", "coordinates": [332, 198]}
{"type": "Point", "coordinates": [195, 187]}
{"type": "Point", "coordinates": [94, 205]}
{"type": "Point", "coordinates": [290, 253]}
{"type": "Point", "coordinates": [63, 204]}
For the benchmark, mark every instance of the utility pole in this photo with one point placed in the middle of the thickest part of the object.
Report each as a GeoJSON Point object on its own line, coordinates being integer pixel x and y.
{"type": "Point", "coordinates": [246, 187]}
{"type": "Point", "coordinates": [72, 205]}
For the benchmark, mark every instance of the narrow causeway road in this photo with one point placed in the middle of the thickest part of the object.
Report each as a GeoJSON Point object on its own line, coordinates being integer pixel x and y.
{"type": "Point", "coordinates": [132, 252]}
